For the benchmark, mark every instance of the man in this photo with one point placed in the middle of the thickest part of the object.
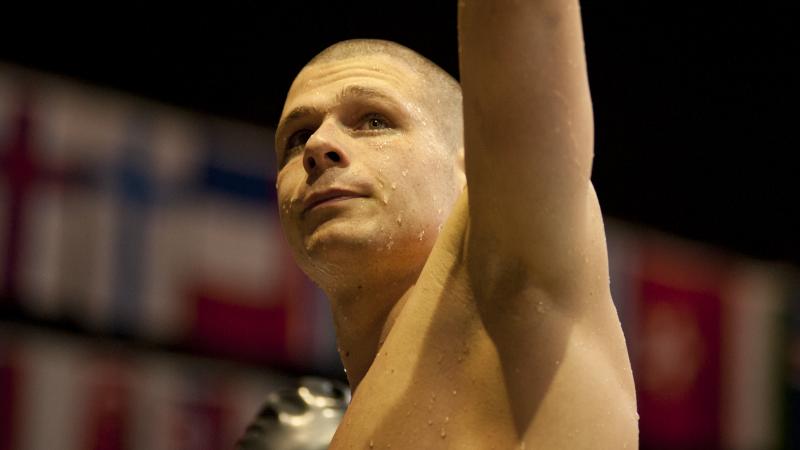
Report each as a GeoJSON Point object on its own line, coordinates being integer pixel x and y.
{"type": "Point", "coordinates": [463, 252]}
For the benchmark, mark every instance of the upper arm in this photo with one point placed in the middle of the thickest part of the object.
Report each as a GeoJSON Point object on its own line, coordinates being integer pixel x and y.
{"type": "Point", "coordinates": [528, 132]}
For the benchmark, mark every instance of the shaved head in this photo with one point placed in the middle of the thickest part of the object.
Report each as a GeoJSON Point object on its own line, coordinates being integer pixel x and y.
{"type": "Point", "coordinates": [444, 97]}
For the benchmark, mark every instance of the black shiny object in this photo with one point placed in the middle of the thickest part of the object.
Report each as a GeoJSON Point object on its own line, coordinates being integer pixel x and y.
{"type": "Point", "coordinates": [301, 419]}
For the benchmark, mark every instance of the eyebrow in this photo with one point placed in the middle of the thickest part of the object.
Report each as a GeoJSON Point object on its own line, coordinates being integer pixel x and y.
{"type": "Point", "coordinates": [348, 92]}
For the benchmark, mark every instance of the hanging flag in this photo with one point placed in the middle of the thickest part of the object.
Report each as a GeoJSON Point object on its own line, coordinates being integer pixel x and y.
{"type": "Point", "coordinates": [19, 170]}
{"type": "Point", "coordinates": [202, 414]}
{"type": "Point", "coordinates": [791, 366]}
{"type": "Point", "coordinates": [11, 379]}
{"type": "Point", "coordinates": [677, 362]}
{"type": "Point", "coordinates": [53, 397]}
{"type": "Point", "coordinates": [750, 357]}
{"type": "Point", "coordinates": [108, 409]}
{"type": "Point", "coordinates": [246, 298]}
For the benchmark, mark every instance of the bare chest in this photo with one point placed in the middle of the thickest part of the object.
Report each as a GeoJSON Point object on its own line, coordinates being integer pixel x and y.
{"type": "Point", "coordinates": [449, 377]}
{"type": "Point", "coordinates": [433, 385]}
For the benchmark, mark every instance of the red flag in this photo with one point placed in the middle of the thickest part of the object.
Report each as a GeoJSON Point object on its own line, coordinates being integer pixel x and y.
{"type": "Point", "coordinates": [677, 363]}
{"type": "Point", "coordinates": [107, 420]}
{"type": "Point", "coordinates": [10, 386]}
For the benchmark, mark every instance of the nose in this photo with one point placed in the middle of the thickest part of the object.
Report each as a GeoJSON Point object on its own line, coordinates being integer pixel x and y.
{"type": "Point", "coordinates": [323, 151]}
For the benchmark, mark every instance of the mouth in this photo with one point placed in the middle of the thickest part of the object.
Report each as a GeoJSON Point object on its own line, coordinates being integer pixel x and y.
{"type": "Point", "coordinates": [328, 197]}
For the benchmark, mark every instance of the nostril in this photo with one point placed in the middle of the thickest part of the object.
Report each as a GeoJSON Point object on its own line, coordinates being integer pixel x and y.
{"type": "Point", "coordinates": [311, 162]}
{"type": "Point", "coordinates": [333, 156]}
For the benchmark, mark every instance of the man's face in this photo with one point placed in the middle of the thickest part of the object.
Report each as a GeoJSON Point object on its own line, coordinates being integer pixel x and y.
{"type": "Point", "coordinates": [362, 170]}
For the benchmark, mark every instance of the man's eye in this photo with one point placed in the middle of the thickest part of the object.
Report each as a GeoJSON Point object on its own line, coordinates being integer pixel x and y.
{"type": "Point", "coordinates": [374, 122]}
{"type": "Point", "coordinates": [298, 139]}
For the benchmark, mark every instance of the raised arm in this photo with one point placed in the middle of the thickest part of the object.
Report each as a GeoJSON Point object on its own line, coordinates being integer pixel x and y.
{"type": "Point", "coordinates": [528, 134]}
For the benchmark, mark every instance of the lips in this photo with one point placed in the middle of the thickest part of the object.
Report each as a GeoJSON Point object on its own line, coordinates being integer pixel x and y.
{"type": "Point", "coordinates": [326, 196]}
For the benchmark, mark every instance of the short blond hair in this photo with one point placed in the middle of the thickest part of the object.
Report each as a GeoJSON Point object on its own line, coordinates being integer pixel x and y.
{"type": "Point", "coordinates": [445, 103]}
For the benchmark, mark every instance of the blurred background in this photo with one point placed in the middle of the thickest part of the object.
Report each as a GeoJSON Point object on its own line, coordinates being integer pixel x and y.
{"type": "Point", "coordinates": [148, 300]}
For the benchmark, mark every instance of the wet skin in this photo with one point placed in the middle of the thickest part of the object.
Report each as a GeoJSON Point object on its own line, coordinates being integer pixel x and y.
{"type": "Point", "coordinates": [365, 124]}
{"type": "Point", "coordinates": [466, 318]}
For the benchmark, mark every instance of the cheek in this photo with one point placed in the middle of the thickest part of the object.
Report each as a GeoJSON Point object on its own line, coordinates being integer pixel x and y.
{"type": "Point", "coordinates": [286, 187]}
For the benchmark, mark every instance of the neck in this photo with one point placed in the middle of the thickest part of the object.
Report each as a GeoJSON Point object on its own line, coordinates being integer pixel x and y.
{"type": "Point", "coordinates": [364, 315]}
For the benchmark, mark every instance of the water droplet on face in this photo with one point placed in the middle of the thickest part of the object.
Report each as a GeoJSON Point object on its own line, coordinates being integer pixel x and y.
{"type": "Point", "coordinates": [454, 392]}
{"type": "Point", "coordinates": [405, 172]}
{"type": "Point", "coordinates": [447, 419]}
{"type": "Point", "coordinates": [421, 235]}
{"type": "Point", "coordinates": [540, 307]}
{"type": "Point", "coordinates": [399, 220]}
{"type": "Point", "coordinates": [371, 444]}
{"type": "Point", "coordinates": [394, 185]}
{"type": "Point", "coordinates": [439, 211]}
{"type": "Point", "coordinates": [430, 422]}
{"type": "Point", "coordinates": [385, 200]}
{"type": "Point", "coordinates": [443, 433]}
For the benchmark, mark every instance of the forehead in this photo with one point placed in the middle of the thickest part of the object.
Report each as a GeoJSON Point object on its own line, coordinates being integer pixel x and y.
{"type": "Point", "coordinates": [320, 82]}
